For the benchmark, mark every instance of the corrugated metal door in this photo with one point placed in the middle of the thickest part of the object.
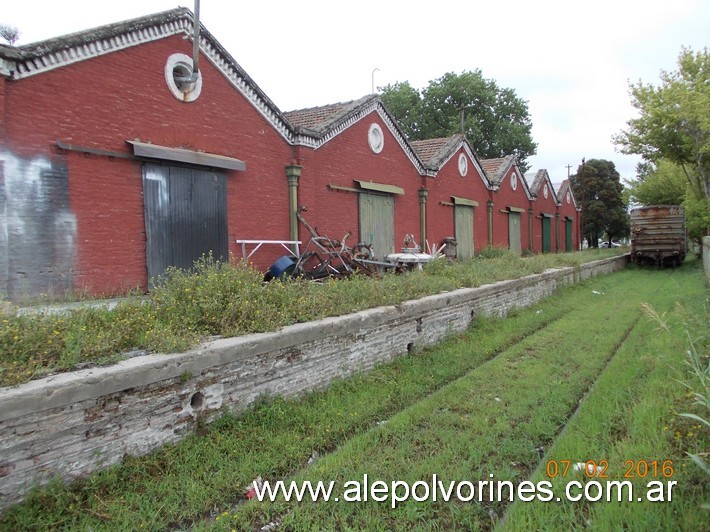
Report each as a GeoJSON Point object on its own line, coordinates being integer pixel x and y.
{"type": "Point", "coordinates": [546, 234]}
{"type": "Point", "coordinates": [568, 235]}
{"type": "Point", "coordinates": [377, 223]}
{"type": "Point", "coordinates": [463, 222]}
{"type": "Point", "coordinates": [514, 231]}
{"type": "Point", "coordinates": [185, 216]}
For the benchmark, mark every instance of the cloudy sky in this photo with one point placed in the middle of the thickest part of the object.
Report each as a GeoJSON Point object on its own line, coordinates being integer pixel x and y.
{"type": "Point", "coordinates": [571, 61]}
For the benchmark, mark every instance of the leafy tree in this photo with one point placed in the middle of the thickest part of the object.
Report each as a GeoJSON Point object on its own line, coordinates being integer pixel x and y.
{"type": "Point", "coordinates": [597, 187]}
{"type": "Point", "coordinates": [666, 184]}
{"type": "Point", "coordinates": [697, 218]}
{"type": "Point", "coordinates": [8, 33]}
{"type": "Point", "coordinates": [404, 102]}
{"type": "Point", "coordinates": [674, 122]}
{"type": "Point", "coordinates": [495, 120]}
{"type": "Point", "coordinates": [662, 184]}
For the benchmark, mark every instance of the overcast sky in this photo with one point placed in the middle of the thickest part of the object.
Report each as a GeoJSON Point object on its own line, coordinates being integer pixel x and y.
{"type": "Point", "coordinates": [571, 61]}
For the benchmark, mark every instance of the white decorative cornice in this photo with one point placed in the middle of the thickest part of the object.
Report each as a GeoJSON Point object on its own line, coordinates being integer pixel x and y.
{"type": "Point", "coordinates": [42, 57]}
{"type": "Point", "coordinates": [52, 59]}
{"type": "Point", "coordinates": [375, 105]}
{"type": "Point", "coordinates": [477, 165]}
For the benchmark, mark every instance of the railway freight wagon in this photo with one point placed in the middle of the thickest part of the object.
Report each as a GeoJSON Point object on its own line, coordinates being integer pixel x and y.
{"type": "Point", "coordinates": [658, 235]}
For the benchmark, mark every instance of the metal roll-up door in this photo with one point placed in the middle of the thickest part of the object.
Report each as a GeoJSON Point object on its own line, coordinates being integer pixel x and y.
{"type": "Point", "coordinates": [185, 216]}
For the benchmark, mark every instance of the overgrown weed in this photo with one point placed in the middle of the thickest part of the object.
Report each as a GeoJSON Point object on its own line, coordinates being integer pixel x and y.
{"type": "Point", "coordinates": [227, 299]}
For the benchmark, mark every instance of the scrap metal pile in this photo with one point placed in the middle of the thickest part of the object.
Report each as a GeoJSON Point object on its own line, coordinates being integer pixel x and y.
{"type": "Point", "coordinates": [324, 258]}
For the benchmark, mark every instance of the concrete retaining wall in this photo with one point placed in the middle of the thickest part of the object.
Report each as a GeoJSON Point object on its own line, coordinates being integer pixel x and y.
{"type": "Point", "coordinates": [74, 423]}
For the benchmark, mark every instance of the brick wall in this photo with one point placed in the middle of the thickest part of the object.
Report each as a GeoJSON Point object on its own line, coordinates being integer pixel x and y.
{"type": "Point", "coordinates": [507, 197]}
{"type": "Point", "coordinates": [346, 158]}
{"type": "Point", "coordinates": [74, 423]}
{"type": "Point", "coordinates": [102, 102]}
{"type": "Point", "coordinates": [449, 182]}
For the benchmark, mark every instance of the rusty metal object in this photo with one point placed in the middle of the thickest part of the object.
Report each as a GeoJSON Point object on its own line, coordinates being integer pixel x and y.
{"type": "Point", "coordinates": [658, 235]}
{"type": "Point", "coordinates": [324, 257]}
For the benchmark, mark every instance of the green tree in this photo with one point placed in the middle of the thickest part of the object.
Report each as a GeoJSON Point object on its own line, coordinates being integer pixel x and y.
{"type": "Point", "coordinates": [658, 184]}
{"type": "Point", "coordinates": [404, 102]}
{"type": "Point", "coordinates": [674, 121]}
{"type": "Point", "coordinates": [666, 184]}
{"type": "Point", "coordinates": [597, 187]}
{"type": "Point", "coordinates": [495, 120]}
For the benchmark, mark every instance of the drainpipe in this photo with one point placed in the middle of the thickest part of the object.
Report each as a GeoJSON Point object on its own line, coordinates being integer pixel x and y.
{"type": "Point", "coordinates": [293, 172]}
{"type": "Point", "coordinates": [489, 207]}
{"type": "Point", "coordinates": [530, 229]}
{"type": "Point", "coordinates": [423, 194]}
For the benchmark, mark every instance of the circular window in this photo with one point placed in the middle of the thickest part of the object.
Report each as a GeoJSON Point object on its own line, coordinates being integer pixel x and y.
{"type": "Point", "coordinates": [514, 181]}
{"type": "Point", "coordinates": [569, 197]}
{"type": "Point", "coordinates": [178, 76]}
{"type": "Point", "coordinates": [375, 138]}
{"type": "Point", "coordinates": [545, 192]}
{"type": "Point", "coordinates": [463, 165]}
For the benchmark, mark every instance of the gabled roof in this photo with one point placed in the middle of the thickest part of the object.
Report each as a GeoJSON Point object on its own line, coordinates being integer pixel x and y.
{"type": "Point", "coordinates": [318, 120]}
{"type": "Point", "coordinates": [36, 58]}
{"type": "Point", "coordinates": [542, 177]}
{"type": "Point", "coordinates": [435, 153]}
{"type": "Point", "coordinates": [497, 168]}
{"type": "Point", "coordinates": [565, 187]}
{"type": "Point", "coordinates": [317, 125]}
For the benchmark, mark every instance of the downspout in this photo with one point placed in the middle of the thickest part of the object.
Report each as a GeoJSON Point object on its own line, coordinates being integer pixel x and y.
{"type": "Point", "coordinates": [530, 229]}
{"type": "Point", "coordinates": [423, 194]}
{"type": "Point", "coordinates": [489, 207]}
{"type": "Point", "coordinates": [293, 173]}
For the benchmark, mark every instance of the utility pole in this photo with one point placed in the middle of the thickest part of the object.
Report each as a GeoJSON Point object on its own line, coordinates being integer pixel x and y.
{"type": "Point", "coordinates": [569, 166]}
{"type": "Point", "coordinates": [373, 79]}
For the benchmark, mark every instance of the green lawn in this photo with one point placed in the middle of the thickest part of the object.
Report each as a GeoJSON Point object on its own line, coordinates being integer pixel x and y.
{"type": "Point", "coordinates": [583, 375]}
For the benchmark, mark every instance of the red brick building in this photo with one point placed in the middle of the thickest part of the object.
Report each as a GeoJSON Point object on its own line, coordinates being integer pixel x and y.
{"type": "Point", "coordinates": [116, 162]}
{"type": "Point", "coordinates": [570, 216]}
{"type": "Point", "coordinates": [511, 203]}
{"type": "Point", "coordinates": [545, 224]}
{"type": "Point", "coordinates": [456, 194]}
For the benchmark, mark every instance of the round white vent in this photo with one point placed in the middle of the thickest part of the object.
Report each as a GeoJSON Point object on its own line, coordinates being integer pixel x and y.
{"type": "Point", "coordinates": [514, 181]}
{"type": "Point", "coordinates": [375, 138]}
{"type": "Point", "coordinates": [545, 192]}
{"type": "Point", "coordinates": [463, 165]}
{"type": "Point", "coordinates": [178, 69]}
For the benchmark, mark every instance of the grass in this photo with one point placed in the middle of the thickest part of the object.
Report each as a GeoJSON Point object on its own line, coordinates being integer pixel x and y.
{"type": "Point", "coordinates": [227, 300]}
{"type": "Point", "coordinates": [630, 420]}
{"type": "Point", "coordinates": [182, 482]}
{"type": "Point", "coordinates": [493, 421]}
{"type": "Point", "coordinates": [442, 417]}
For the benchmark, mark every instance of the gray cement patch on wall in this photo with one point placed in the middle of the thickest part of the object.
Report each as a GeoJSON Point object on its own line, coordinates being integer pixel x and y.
{"type": "Point", "coordinates": [72, 424]}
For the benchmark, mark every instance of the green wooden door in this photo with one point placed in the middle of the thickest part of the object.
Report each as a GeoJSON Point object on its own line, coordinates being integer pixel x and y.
{"type": "Point", "coordinates": [568, 235]}
{"type": "Point", "coordinates": [514, 231]}
{"type": "Point", "coordinates": [546, 232]}
{"type": "Point", "coordinates": [377, 223]}
{"type": "Point", "coordinates": [463, 221]}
